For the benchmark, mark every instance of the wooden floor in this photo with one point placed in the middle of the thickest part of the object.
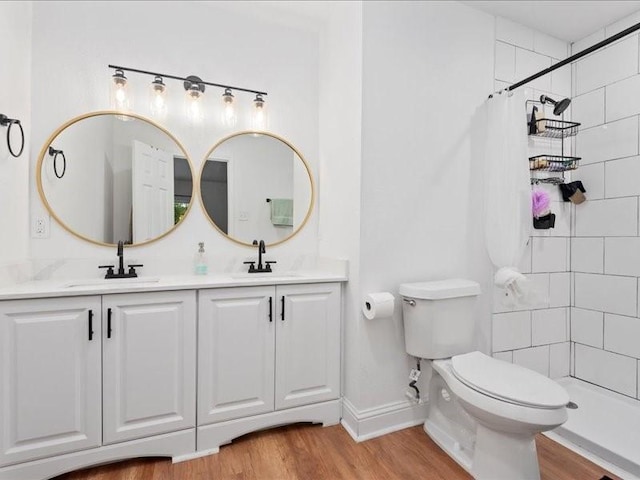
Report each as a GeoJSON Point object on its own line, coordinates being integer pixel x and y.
{"type": "Point", "coordinates": [306, 452]}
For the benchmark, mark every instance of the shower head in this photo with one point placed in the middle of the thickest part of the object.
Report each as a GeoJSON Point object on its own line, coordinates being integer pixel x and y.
{"type": "Point", "coordinates": [559, 107]}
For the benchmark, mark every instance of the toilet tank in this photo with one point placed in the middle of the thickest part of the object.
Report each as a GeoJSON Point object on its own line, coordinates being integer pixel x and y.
{"type": "Point", "coordinates": [439, 320]}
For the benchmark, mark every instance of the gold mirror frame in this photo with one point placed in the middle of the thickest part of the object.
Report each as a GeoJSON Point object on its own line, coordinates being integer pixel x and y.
{"type": "Point", "coordinates": [43, 153]}
{"type": "Point", "coordinates": [295, 150]}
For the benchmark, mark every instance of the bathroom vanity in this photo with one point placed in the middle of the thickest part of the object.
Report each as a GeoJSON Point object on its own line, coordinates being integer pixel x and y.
{"type": "Point", "coordinates": [98, 371]}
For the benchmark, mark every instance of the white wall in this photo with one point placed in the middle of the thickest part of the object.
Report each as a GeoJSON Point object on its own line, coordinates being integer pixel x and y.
{"type": "Point", "coordinates": [15, 102]}
{"type": "Point", "coordinates": [605, 327]}
{"type": "Point", "coordinates": [74, 42]}
{"type": "Point", "coordinates": [427, 66]}
{"type": "Point", "coordinates": [537, 338]}
{"type": "Point", "coordinates": [340, 110]}
{"type": "Point", "coordinates": [259, 168]}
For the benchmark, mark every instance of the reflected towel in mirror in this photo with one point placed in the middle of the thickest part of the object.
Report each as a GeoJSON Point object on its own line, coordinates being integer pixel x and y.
{"type": "Point", "coordinates": [282, 212]}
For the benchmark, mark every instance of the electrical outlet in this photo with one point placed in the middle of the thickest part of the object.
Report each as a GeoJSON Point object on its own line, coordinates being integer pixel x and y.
{"type": "Point", "coordinates": [40, 227]}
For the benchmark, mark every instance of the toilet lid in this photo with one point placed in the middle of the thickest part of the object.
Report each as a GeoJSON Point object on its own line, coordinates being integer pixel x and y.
{"type": "Point", "coordinates": [508, 381]}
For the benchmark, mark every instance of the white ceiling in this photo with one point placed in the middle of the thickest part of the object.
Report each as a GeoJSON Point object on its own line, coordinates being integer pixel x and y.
{"type": "Point", "coordinates": [567, 20]}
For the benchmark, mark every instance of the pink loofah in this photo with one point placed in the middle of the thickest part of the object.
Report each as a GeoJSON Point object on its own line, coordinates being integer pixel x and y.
{"type": "Point", "coordinates": [540, 201]}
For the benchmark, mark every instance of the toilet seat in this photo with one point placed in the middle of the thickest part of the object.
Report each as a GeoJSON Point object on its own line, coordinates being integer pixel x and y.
{"type": "Point", "coordinates": [508, 382]}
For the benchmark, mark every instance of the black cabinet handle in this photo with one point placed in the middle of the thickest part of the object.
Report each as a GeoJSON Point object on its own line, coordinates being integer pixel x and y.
{"type": "Point", "coordinates": [90, 325]}
{"type": "Point", "coordinates": [109, 323]}
{"type": "Point", "coordinates": [282, 309]}
{"type": "Point", "coordinates": [270, 309]}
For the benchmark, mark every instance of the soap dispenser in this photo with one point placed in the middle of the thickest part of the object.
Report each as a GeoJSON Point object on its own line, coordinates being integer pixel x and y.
{"type": "Point", "coordinates": [200, 262]}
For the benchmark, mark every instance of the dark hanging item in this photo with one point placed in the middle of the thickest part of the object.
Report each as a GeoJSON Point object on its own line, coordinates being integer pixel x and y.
{"type": "Point", "coordinates": [9, 123]}
{"type": "Point", "coordinates": [545, 222]}
{"type": "Point", "coordinates": [573, 192]}
{"type": "Point", "coordinates": [533, 128]}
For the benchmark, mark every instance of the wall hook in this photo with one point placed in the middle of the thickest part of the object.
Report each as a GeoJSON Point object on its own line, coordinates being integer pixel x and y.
{"type": "Point", "coordinates": [10, 122]}
{"type": "Point", "coordinates": [54, 153]}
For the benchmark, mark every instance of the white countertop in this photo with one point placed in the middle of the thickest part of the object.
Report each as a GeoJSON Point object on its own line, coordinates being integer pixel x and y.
{"type": "Point", "coordinates": [100, 286]}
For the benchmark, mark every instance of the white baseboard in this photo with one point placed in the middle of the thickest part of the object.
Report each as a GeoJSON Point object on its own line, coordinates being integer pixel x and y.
{"type": "Point", "coordinates": [211, 437]}
{"type": "Point", "coordinates": [194, 455]}
{"type": "Point", "coordinates": [375, 422]}
{"type": "Point", "coordinates": [175, 445]}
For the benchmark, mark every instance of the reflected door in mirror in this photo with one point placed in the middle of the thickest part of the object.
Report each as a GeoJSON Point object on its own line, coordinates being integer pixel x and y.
{"type": "Point", "coordinates": [152, 183]}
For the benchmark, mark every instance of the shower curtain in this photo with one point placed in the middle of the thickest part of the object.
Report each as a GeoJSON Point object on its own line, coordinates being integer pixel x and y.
{"type": "Point", "coordinates": [507, 193]}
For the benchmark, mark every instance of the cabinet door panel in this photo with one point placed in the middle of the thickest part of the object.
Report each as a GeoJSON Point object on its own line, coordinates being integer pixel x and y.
{"type": "Point", "coordinates": [307, 344]}
{"type": "Point", "coordinates": [149, 364]}
{"type": "Point", "coordinates": [50, 377]}
{"type": "Point", "coordinates": [236, 353]}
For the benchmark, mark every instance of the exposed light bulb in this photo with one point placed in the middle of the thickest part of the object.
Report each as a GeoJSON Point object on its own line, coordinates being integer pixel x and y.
{"type": "Point", "coordinates": [229, 116]}
{"type": "Point", "coordinates": [121, 99]}
{"type": "Point", "coordinates": [158, 98]}
{"type": "Point", "coordinates": [259, 114]}
{"type": "Point", "coordinates": [195, 113]}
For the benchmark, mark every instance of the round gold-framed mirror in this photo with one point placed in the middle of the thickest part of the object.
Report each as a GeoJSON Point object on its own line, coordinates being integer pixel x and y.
{"type": "Point", "coordinates": [256, 186]}
{"type": "Point", "coordinates": [108, 176]}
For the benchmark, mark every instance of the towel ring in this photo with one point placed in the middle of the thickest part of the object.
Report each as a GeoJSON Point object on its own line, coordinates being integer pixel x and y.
{"type": "Point", "coordinates": [10, 122]}
{"type": "Point", "coordinates": [54, 153]}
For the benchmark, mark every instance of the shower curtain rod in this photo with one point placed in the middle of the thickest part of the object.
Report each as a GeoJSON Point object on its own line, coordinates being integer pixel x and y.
{"type": "Point", "coordinates": [575, 57]}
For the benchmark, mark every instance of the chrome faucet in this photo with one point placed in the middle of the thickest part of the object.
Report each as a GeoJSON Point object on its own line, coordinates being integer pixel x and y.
{"type": "Point", "coordinates": [260, 269]}
{"type": "Point", "coordinates": [121, 273]}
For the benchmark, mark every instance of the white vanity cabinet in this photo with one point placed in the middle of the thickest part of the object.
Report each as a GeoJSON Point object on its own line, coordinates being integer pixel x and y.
{"type": "Point", "coordinates": [265, 349]}
{"type": "Point", "coordinates": [149, 364]}
{"type": "Point", "coordinates": [115, 374]}
{"type": "Point", "coordinates": [236, 347]}
{"type": "Point", "coordinates": [50, 377]}
{"type": "Point", "coordinates": [64, 389]}
{"type": "Point", "coordinates": [307, 344]}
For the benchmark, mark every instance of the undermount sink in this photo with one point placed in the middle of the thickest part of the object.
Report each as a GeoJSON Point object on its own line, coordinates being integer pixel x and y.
{"type": "Point", "coordinates": [111, 282]}
{"type": "Point", "coordinates": [261, 275]}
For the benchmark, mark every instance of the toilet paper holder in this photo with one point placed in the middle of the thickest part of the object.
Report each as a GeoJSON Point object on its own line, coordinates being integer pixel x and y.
{"type": "Point", "coordinates": [378, 305]}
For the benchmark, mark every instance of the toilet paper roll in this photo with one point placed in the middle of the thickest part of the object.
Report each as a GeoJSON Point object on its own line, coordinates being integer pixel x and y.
{"type": "Point", "coordinates": [378, 305]}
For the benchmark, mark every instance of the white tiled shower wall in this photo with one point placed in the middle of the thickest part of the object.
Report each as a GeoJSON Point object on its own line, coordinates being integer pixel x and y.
{"type": "Point", "coordinates": [537, 338]}
{"type": "Point", "coordinates": [605, 250]}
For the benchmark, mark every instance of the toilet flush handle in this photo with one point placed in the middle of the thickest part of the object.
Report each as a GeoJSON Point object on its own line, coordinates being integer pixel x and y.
{"type": "Point", "coordinates": [410, 301]}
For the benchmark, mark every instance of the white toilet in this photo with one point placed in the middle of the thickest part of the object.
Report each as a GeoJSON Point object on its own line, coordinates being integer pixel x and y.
{"type": "Point", "coordinates": [483, 412]}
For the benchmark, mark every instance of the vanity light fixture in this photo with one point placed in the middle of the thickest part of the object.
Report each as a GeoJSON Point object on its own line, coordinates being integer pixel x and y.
{"type": "Point", "coordinates": [259, 114]}
{"type": "Point", "coordinates": [120, 95]}
{"type": "Point", "coordinates": [229, 116]}
{"type": "Point", "coordinates": [194, 99]}
{"type": "Point", "coordinates": [9, 123]}
{"type": "Point", "coordinates": [193, 103]}
{"type": "Point", "coordinates": [158, 97]}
